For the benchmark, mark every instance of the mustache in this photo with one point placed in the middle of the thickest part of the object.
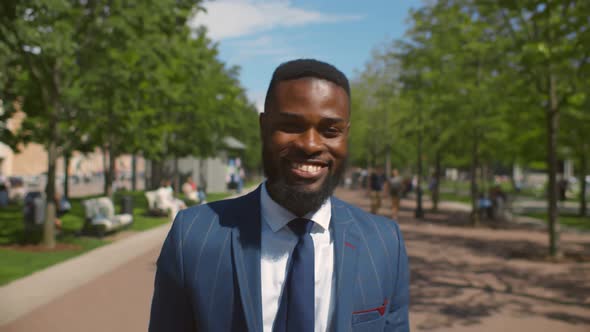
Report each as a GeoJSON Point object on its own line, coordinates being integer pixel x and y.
{"type": "Point", "coordinates": [302, 157]}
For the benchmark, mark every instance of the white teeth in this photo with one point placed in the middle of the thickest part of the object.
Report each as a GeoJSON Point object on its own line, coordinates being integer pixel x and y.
{"type": "Point", "coordinates": [307, 168]}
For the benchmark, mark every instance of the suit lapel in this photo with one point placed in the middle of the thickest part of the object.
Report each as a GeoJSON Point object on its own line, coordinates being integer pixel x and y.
{"type": "Point", "coordinates": [346, 251]}
{"type": "Point", "coordinates": [246, 256]}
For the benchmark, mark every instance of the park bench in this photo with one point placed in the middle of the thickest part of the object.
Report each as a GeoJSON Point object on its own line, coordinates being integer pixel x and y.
{"type": "Point", "coordinates": [155, 208]}
{"type": "Point", "coordinates": [162, 203]}
{"type": "Point", "coordinates": [101, 218]}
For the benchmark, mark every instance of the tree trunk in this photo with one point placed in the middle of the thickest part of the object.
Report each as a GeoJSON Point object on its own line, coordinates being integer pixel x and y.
{"type": "Point", "coordinates": [387, 161]}
{"type": "Point", "coordinates": [134, 172]}
{"type": "Point", "coordinates": [111, 173]}
{"type": "Point", "coordinates": [105, 170]}
{"type": "Point", "coordinates": [419, 213]}
{"type": "Point", "coordinates": [176, 176]}
{"type": "Point", "coordinates": [156, 176]}
{"type": "Point", "coordinates": [552, 131]}
{"type": "Point", "coordinates": [147, 175]}
{"type": "Point", "coordinates": [203, 174]}
{"type": "Point", "coordinates": [582, 180]}
{"type": "Point", "coordinates": [52, 102]}
{"type": "Point", "coordinates": [474, 193]}
{"type": "Point", "coordinates": [66, 192]}
{"type": "Point", "coordinates": [436, 187]}
{"type": "Point", "coordinates": [50, 210]}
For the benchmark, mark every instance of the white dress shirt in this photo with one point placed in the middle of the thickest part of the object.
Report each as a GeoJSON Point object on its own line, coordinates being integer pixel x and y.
{"type": "Point", "coordinates": [277, 244]}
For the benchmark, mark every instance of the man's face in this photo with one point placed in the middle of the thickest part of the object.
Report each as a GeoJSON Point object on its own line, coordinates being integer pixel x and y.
{"type": "Point", "coordinates": [304, 136]}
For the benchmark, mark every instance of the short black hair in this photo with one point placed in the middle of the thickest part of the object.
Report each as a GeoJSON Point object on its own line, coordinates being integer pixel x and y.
{"type": "Point", "coordinates": [300, 68]}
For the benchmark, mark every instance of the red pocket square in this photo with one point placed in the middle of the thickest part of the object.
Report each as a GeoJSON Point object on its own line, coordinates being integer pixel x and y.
{"type": "Point", "coordinates": [380, 310]}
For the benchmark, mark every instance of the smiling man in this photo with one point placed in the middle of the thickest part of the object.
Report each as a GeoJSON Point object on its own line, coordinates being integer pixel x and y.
{"type": "Point", "coordinates": [287, 256]}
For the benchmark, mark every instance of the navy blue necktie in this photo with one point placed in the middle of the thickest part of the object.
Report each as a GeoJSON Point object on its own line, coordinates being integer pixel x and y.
{"type": "Point", "coordinates": [297, 306]}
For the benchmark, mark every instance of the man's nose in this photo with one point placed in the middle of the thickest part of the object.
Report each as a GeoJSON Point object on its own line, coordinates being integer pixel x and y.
{"type": "Point", "coordinates": [310, 142]}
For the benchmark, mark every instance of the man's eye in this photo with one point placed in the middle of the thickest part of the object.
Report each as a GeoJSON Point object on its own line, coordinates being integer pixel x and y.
{"type": "Point", "coordinates": [332, 132]}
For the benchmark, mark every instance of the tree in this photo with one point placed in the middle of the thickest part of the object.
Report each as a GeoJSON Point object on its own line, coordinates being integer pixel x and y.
{"type": "Point", "coordinates": [549, 47]}
{"type": "Point", "coordinates": [54, 47]}
{"type": "Point", "coordinates": [448, 63]}
{"type": "Point", "coordinates": [43, 39]}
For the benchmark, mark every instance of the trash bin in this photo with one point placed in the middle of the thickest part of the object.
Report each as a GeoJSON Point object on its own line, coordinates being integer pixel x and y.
{"type": "Point", "coordinates": [127, 205]}
{"type": "Point", "coordinates": [4, 198]}
{"type": "Point", "coordinates": [34, 209]}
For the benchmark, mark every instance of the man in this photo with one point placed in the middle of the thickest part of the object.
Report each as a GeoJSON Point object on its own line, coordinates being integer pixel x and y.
{"type": "Point", "coordinates": [376, 181]}
{"type": "Point", "coordinates": [395, 190]}
{"type": "Point", "coordinates": [287, 256]}
{"type": "Point", "coordinates": [166, 200]}
{"type": "Point", "coordinates": [189, 188]}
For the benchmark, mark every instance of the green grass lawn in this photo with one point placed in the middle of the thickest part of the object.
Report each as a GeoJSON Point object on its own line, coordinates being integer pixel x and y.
{"type": "Point", "coordinates": [569, 220]}
{"type": "Point", "coordinates": [19, 263]}
{"type": "Point", "coordinates": [455, 198]}
{"type": "Point", "coordinates": [20, 257]}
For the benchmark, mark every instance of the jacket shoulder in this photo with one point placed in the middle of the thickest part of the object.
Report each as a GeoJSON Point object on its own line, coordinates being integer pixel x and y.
{"type": "Point", "coordinates": [371, 225]}
{"type": "Point", "coordinates": [219, 214]}
{"type": "Point", "coordinates": [361, 215]}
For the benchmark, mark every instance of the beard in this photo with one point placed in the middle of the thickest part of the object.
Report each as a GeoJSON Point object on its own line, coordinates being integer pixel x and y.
{"type": "Point", "coordinates": [295, 198]}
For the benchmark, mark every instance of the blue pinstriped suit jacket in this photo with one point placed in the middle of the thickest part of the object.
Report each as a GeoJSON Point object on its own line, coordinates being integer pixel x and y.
{"type": "Point", "coordinates": [208, 273]}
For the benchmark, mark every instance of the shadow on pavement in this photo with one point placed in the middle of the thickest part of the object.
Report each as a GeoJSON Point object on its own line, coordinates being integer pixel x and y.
{"type": "Point", "coordinates": [461, 275]}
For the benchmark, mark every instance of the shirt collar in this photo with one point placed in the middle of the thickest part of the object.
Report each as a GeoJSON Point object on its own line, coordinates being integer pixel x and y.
{"type": "Point", "coordinates": [278, 217]}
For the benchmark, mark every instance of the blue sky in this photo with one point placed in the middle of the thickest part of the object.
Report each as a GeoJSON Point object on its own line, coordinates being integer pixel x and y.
{"type": "Point", "coordinates": [258, 35]}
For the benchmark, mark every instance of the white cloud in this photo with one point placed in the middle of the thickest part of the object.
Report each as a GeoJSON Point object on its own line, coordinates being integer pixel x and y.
{"type": "Point", "coordinates": [236, 18]}
{"type": "Point", "coordinates": [265, 46]}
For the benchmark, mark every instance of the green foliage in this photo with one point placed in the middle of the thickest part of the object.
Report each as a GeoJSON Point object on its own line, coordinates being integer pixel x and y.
{"type": "Point", "coordinates": [484, 83]}
{"type": "Point", "coordinates": [129, 77]}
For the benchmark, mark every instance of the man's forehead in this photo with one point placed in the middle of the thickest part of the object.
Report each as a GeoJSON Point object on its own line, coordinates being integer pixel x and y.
{"type": "Point", "coordinates": [306, 83]}
{"type": "Point", "coordinates": [332, 118]}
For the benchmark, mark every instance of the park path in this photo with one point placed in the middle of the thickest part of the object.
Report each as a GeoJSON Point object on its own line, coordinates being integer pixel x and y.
{"type": "Point", "coordinates": [463, 279]}
{"type": "Point", "coordinates": [116, 301]}
{"type": "Point", "coordinates": [492, 278]}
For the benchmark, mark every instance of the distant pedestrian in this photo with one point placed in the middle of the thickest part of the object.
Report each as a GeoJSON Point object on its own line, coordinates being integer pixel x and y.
{"type": "Point", "coordinates": [562, 185]}
{"type": "Point", "coordinates": [4, 187]}
{"type": "Point", "coordinates": [166, 200]}
{"type": "Point", "coordinates": [363, 177]}
{"type": "Point", "coordinates": [356, 176]}
{"type": "Point", "coordinates": [189, 188]}
{"type": "Point", "coordinates": [396, 187]}
{"type": "Point", "coordinates": [407, 187]}
{"type": "Point", "coordinates": [376, 181]}
{"type": "Point", "coordinates": [498, 198]}
{"type": "Point", "coordinates": [433, 184]}
{"type": "Point", "coordinates": [484, 205]}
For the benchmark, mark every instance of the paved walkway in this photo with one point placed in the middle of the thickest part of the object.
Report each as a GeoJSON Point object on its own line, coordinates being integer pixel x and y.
{"type": "Point", "coordinates": [463, 279]}
{"type": "Point", "coordinates": [493, 278]}
{"type": "Point", "coordinates": [94, 286]}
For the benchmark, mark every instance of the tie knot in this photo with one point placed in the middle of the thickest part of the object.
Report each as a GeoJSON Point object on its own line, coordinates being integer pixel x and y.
{"type": "Point", "coordinates": [301, 226]}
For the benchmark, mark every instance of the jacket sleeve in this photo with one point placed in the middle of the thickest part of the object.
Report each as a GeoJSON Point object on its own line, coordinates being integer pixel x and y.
{"type": "Point", "coordinates": [171, 307]}
{"type": "Point", "coordinates": [397, 319]}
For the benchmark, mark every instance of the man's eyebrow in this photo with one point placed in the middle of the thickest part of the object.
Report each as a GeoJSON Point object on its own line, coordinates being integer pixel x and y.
{"type": "Point", "coordinates": [287, 114]}
{"type": "Point", "coordinates": [300, 116]}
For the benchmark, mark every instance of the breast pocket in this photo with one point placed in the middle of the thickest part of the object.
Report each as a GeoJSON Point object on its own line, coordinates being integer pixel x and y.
{"type": "Point", "coordinates": [372, 319]}
{"type": "Point", "coordinates": [368, 323]}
